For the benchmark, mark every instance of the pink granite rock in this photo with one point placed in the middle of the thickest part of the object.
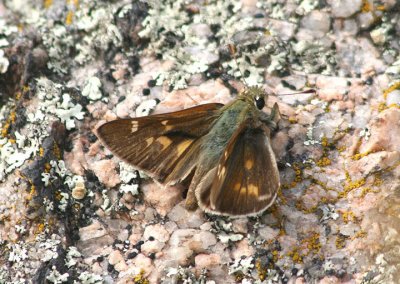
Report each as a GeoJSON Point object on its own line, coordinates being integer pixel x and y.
{"type": "Point", "coordinates": [163, 199]}
{"type": "Point", "coordinates": [178, 256]}
{"type": "Point", "coordinates": [106, 173]}
{"type": "Point", "coordinates": [117, 260]}
{"type": "Point", "coordinates": [156, 231]}
{"type": "Point", "coordinates": [207, 261]}
{"type": "Point", "coordinates": [385, 132]}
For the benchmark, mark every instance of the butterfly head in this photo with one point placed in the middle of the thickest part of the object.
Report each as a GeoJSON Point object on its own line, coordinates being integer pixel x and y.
{"type": "Point", "coordinates": [256, 96]}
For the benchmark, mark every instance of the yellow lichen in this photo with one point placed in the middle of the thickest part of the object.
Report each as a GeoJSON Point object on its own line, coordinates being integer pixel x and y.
{"type": "Point", "coordinates": [292, 120]}
{"type": "Point", "coordinates": [4, 130]}
{"type": "Point", "coordinates": [57, 151]}
{"type": "Point", "coordinates": [299, 174]}
{"type": "Point", "coordinates": [58, 195]}
{"type": "Point", "coordinates": [382, 106]}
{"type": "Point", "coordinates": [323, 162]}
{"type": "Point", "coordinates": [39, 228]}
{"type": "Point", "coordinates": [47, 167]}
{"type": "Point", "coordinates": [340, 241]}
{"type": "Point", "coordinates": [351, 185]}
{"type": "Point", "coordinates": [13, 116]}
{"type": "Point", "coordinates": [11, 119]}
{"type": "Point", "coordinates": [69, 18]}
{"type": "Point", "coordinates": [380, 8]}
{"type": "Point", "coordinates": [394, 105]}
{"type": "Point", "coordinates": [324, 142]}
{"type": "Point", "coordinates": [25, 89]}
{"type": "Point", "coordinates": [321, 184]}
{"type": "Point", "coordinates": [32, 192]}
{"type": "Point", "coordinates": [76, 3]}
{"type": "Point", "coordinates": [312, 243]}
{"type": "Point", "coordinates": [360, 234]}
{"type": "Point", "coordinates": [300, 206]}
{"type": "Point", "coordinates": [295, 255]}
{"type": "Point", "coordinates": [395, 86]}
{"type": "Point", "coordinates": [18, 95]}
{"type": "Point", "coordinates": [366, 6]}
{"type": "Point", "coordinates": [341, 149]}
{"type": "Point", "coordinates": [348, 216]}
{"type": "Point", "coordinates": [354, 184]}
{"type": "Point", "coordinates": [281, 196]}
{"type": "Point", "coordinates": [238, 276]}
{"type": "Point", "coordinates": [392, 167]}
{"type": "Point", "coordinates": [47, 3]}
{"type": "Point", "coordinates": [360, 155]}
{"type": "Point", "coordinates": [41, 152]}
{"type": "Point", "coordinates": [261, 270]}
{"type": "Point", "coordinates": [366, 190]}
{"type": "Point", "coordinates": [275, 254]}
{"type": "Point", "coordinates": [327, 108]}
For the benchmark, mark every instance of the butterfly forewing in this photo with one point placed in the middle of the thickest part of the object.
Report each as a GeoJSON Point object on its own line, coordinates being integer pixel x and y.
{"type": "Point", "coordinates": [247, 178]}
{"type": "Point", "coordinates": [156, 144]}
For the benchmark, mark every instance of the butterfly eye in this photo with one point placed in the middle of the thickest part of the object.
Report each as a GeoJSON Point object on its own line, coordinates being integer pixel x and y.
{"type": "Point", "coordinates": [259, 102]}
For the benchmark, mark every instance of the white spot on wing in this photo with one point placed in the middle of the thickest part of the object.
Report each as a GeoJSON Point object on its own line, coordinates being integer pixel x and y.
{"type": "Point", "coordinates": [135, 126]}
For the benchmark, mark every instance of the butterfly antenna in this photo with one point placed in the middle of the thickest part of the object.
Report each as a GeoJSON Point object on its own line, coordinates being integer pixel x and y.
{"type": "Point", "coordinates": [310, 91]}
{"type": "Point", "coordinates": [190, 97]}
{"type": "Point", "coordinates": [233, 51]}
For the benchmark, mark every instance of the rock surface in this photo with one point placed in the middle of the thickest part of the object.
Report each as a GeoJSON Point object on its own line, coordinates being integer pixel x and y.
{"type": "Point", "coordinates": [66, 67]}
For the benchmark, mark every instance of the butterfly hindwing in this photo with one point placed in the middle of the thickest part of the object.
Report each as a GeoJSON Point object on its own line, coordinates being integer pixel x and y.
{"type": "Point", "coordinates": [156, 143]}
{"type": "Point", "coordinates": [246, 179]}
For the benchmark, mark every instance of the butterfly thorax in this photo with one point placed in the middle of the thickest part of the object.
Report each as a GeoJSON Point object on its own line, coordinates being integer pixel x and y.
{"type": "Point", "coordinates": [232, 115]}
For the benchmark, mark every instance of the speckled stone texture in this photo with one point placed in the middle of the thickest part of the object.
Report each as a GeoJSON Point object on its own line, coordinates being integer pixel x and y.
{"type": "Point", "coordinates": [71, 212]}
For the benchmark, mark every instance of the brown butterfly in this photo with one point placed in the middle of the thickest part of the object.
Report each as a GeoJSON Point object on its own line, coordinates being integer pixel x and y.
{"type": "Point", "coordinates": [223, 150]}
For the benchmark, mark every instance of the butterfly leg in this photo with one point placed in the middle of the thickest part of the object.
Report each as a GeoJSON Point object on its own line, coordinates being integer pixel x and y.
{"type": "Point", "coordinates": [275, 115]}
{"type": "Point", "coordinates": [191, 201]}
{"type": "Point", "coordinates": [272, 120]}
